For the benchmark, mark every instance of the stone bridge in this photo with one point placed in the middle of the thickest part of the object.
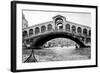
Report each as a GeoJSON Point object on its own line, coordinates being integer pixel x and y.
{"type": "Point", "coordinates": [35, 36]}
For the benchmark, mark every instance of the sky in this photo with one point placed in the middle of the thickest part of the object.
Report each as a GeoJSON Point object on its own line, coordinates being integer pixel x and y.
{"type": "Point", "coordinates": [37, 17]}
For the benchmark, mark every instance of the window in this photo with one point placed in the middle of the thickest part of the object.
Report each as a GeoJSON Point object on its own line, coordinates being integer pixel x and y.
{"type": "Point", "coordinates": [37, 30]}
{"type": "Point", "coordinates": [43, 29]}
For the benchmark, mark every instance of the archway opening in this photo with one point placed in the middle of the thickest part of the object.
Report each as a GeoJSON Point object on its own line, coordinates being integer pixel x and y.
{"type": "Point", "coordinates": [67, 27]}
{"type": "Point", "coordinates": [40, 41]}
{"type": "Point", "coordinates": [85, 32]}
{"type": "Point", "coordinates": [37, 30]}
{"type": "Point", "coordinates": [59, 23]}
{"type": "Point", "coordinates": [43, 28]}
{"type": "Point", "coordinates": [25, 34]}
{"type": "Point", "coordinates": [79, 30]}
{"type": "Point", "coordinates": [30, 32]}
{"type": "Point", "coordinates": [49, 27]}
{"type": "Point", "coordinates": [60, 43]}
{"type": "Point", "coordinates": [73, 29]}
{"type": "Point", "coordinates": [59, 26]}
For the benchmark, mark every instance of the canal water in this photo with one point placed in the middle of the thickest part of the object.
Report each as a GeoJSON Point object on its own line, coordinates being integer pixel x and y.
{"type": "Point", "coordinates": [59, 54]}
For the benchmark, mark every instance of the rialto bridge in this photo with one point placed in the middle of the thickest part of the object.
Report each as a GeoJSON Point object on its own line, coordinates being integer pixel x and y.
{"type": "Point", "coordinates": [35, 36]}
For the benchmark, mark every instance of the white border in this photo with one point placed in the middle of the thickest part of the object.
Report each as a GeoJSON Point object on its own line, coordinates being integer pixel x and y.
{"type": "Point", "coordinates": [21, 65]}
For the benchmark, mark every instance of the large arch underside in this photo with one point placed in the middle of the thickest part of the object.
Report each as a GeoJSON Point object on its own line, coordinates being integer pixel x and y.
{"type": "Point", "coordinates": [46, 37]}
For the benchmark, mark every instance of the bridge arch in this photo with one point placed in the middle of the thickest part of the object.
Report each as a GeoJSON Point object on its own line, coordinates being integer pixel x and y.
{"type": "Point", "coordinates": [37, 30]}
{"type": "Point", "coordinates": [44, 38]}
{"type": "Point", "coordinates": [49, 27]}
{"type": "Point", "coordinates": [25, 33]}
{"type": "Point", "coordinates": [43, 28]}
{"type": "Point", "coordinates": [67, 27]}
{"type": "Point", "coordinates": [73, 29]}
{"type": "Point", "coordinates": [79, 30]}
{"type": "Point", "coordinates": [30, 32]}
{"type": "Point", "coordinates": [58, 20]}
{"type": "Point", "coordinates": [85, 32]}
{"type": "Point", "coordinates": [59, 23]}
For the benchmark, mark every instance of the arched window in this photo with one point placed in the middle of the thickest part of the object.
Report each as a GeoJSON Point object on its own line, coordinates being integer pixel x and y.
{"type": "Point", "coordinates": [43, 29]}
{"type": "Point", "coordinates": [85, 32]}
{"type": "Point", "coordinates": [49, 27]}
{"type": "Point", "coordinates": [73, 29]}
{"type": "Point", "coordinates": [25, 34]}
{"type": "Point", "coordinates": [79, 30]}
{"type": "Point", "coordinates": [68, 27]}
{"type": "Point", "coordinates": [89, 32]}
{"type": "Point", "coordinates": [31, 32]}
{"type": "Point", "coordinates": [37, 30]}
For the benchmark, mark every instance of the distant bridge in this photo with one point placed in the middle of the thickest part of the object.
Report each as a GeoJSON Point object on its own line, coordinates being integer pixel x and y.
{"type": "Point", "coordinates": [35, 36]}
